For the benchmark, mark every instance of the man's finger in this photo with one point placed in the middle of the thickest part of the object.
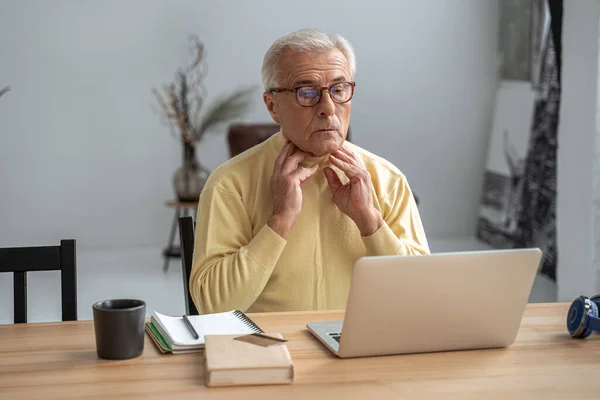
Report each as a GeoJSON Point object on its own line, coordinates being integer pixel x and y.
{"type": "Point", "coordinates": [291, 164]}
{"type": "Point", "coordinates": [304, 173]}
{"type": "Point", "coordinates": [349, 169]}
{"type": "Point", "coordinates": [344, 157]}
{"type": "Point", "coordinates": [332, 179]}
{"type": "Point", "coordinates": [285, 152]}
{"type": "Point", "coordinates": [346, 150]}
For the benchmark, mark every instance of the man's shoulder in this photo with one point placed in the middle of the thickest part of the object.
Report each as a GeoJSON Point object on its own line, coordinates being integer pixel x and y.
{"type": "Point", "coordinates": [239, 169]}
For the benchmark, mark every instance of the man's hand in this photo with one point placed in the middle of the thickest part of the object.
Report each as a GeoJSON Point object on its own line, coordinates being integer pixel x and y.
{"type": "Point", "coordinates": [354, 198]}
{"type": "Point", "coordinates": [286, 188]}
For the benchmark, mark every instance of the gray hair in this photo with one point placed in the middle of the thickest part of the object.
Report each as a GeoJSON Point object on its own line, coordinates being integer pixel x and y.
{"type": "Point", "coordinates": [303, 41]}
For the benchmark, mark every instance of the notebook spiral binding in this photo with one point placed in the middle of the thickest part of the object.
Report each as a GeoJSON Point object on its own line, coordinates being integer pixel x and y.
{"type": "Point", "coordinates": [246, 320]}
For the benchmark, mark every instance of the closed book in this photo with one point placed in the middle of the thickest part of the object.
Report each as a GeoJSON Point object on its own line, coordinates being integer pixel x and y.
{"type": "Point", "coordinates": [231, 362]}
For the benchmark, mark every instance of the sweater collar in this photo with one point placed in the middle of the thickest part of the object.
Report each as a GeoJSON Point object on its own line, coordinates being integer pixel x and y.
{"type": "Point", "coordinates": [309, 161]}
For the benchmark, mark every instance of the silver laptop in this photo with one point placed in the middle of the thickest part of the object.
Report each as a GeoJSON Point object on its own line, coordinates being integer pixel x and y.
{"type": "Point", "coordinates": [437, 302]}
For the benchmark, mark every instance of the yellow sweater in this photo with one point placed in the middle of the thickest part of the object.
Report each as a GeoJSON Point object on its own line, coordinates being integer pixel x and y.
{"type": "Point", "coordinates": [241, 263]}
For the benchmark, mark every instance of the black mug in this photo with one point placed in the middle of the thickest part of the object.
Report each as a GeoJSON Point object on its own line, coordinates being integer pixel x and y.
{"type": "Point", "coordinates": [119, 328]}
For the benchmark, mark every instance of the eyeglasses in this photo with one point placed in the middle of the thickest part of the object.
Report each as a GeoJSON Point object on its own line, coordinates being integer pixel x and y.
{"type": "Point", "coordinates": [308, 96]}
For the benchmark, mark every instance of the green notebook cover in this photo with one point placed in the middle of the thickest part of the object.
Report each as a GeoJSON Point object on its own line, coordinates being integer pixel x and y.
{"type": "Point", "coordinates": [158, 336]}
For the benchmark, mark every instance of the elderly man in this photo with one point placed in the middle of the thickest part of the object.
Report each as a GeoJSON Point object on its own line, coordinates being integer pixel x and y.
{"type": "Point", "coordinates": [280, 225]}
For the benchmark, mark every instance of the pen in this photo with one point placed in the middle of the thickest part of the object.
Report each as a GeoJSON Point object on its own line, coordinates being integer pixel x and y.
{"type": "Point", "coordinates": [191, 327]}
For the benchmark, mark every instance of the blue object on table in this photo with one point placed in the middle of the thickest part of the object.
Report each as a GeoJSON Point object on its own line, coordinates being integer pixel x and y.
{"type": "Point", "coordinates": [582, 318]}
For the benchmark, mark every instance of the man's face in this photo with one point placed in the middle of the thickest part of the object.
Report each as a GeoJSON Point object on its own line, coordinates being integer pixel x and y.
{"type": "Point", "coordinates": [322, 128]}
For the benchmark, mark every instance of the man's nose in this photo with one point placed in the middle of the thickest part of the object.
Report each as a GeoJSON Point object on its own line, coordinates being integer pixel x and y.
{"type": "Point", "coordinates": [326, 106]}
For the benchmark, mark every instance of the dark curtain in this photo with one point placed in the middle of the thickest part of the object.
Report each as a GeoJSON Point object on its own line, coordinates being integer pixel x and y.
{"type": "Point", "coordinates": [556, 20]}
{"type": "Point", "coordinates": [537, 214]}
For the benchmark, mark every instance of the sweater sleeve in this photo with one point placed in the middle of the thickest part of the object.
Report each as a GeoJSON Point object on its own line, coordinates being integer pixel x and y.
{"type": "Point", "coordinates": [230, 266]}
{"type": "Point", "coordinates": [402, 231]}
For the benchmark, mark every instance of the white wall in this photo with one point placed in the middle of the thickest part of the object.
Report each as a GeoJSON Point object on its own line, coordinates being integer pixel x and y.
{"type": "Point", "coordinates": [82, 154]}
{"type": "Point", "coordinates": [576, 144]}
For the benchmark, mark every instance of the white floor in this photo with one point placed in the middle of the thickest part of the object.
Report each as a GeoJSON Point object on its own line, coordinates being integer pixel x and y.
{"type": "Point", "coordinates": [138, 273]}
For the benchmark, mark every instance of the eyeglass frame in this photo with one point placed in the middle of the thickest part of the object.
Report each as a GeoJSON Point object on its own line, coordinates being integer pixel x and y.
{"type": "Point", "coordinates": [322, 89]}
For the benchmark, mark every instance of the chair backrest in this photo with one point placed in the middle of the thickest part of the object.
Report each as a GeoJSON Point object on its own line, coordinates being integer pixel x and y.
{"type": "Point", "coordinates": [241, 137]}
{"type": "Point", "coordinates": [186, 237]}
{"type": "Point", "coordinates": [20, 260]}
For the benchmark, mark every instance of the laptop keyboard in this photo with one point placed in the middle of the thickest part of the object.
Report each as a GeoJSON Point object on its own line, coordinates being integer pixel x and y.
{"type": "Point", "coordinates": [335, 336]}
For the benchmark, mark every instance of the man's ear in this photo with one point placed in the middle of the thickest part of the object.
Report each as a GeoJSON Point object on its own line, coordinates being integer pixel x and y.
{"type": "Point", "coordinates": [270, 102]}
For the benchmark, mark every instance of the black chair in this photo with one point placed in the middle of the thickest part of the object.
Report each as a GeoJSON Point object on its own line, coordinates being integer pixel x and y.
{"type": "Point", "coordinates": [186, 237]}
{"type": "Point", "coordinates": [20, 260]}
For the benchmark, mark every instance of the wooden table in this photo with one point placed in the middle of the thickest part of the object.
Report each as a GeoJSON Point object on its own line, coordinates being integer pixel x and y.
{"type": "Point", "coordinates": [58, 361]}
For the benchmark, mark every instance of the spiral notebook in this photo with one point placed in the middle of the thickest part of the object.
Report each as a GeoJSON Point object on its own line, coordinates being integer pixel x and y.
{"type": "Point", "coordinates": [179, 338]}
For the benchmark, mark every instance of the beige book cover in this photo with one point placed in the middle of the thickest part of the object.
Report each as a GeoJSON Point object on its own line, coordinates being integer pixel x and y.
{"type": "Point", "coordinates": [233, 362]}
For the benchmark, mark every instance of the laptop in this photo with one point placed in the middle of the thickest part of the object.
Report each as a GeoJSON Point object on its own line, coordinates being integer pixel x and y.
{"type": "Point", "coordinates": [431, 303]}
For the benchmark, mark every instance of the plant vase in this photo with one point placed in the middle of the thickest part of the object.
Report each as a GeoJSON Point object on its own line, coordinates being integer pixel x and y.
{"type": "Point", "coordinates": [189, 179]}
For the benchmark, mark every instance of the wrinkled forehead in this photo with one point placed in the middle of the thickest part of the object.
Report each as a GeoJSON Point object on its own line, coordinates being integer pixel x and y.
{"type": "Point", "coordinates": [312, 68]}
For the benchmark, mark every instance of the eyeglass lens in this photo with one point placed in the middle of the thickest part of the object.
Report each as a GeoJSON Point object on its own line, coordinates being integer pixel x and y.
{"type": "Point", "coordinates": [340, 93]}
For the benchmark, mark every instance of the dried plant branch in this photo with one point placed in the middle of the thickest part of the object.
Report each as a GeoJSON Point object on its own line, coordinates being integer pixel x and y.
{"type": "Point", "coordinates": [228, 108]}
{"type": "Point", "coordinates": [161, 102]}
{"type": "Point", "coordinates": [167, 122]}
{"type": "Point", "coordinates": [198, 49]}
{"type": "Point", "coordinates": [4, 90]}
{"type": "Point", "coordinates": [173, 132]}
{"type": "Point", "coordinates": [176, 111]}
{"type": "Point", "coordinates": [181, 101]}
